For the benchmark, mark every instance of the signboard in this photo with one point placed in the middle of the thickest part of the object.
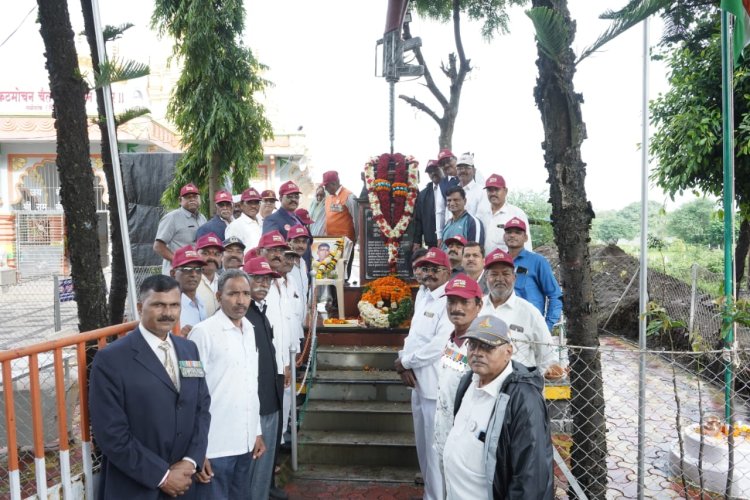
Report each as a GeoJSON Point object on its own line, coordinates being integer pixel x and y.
{"type": "Point", "coordinates": [375, 253]}
{"type": "Point", "coordinates": [65, 288]}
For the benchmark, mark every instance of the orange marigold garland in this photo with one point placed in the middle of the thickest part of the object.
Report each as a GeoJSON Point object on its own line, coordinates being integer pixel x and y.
{"type": "Point", "coordinates": [386, 303]}
{"type": "Point", "coordinates": [392, 203]}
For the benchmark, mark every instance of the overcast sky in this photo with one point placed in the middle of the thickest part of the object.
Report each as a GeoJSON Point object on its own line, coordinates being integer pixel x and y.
{"type": "Point", "coordinates": [321, 59]}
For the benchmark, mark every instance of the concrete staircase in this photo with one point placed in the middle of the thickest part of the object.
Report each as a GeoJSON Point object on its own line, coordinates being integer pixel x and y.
{"type": "Point", "coordinates": [357, 425]}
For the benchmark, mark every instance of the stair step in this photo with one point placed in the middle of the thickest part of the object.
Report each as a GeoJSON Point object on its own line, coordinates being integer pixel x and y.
{"type": "Point", "coordinates": [358, 473]}
{"type": "Point", "coordinates": [349, 385]}
{"type": "Point", "coordinates": [362, 416]}
{"type": "Point", "coordinates": [357, 357]}
{"type": "Point", "coordinates": [396, 449]}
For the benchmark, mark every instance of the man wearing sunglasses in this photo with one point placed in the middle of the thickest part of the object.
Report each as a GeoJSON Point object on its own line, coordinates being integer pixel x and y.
{"type": "Point", "coordinates": [500, 444]}
{"type": "Point", "coordinates": [419, 360]}
{"type": "Point", "coordinates": [187, 269]}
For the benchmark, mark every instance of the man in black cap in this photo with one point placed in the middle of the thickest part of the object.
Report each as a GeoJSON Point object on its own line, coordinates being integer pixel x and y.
{"type": "Point", "coordinates": [501, 423]}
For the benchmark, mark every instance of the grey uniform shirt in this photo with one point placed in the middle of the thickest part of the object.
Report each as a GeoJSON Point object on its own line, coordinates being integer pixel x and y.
{"type": "Point", "coordinates": [177, 229]}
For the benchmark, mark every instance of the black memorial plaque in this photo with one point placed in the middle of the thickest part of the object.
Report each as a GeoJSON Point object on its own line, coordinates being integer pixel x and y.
{"type": "Point", "coordinates": [375, 252]}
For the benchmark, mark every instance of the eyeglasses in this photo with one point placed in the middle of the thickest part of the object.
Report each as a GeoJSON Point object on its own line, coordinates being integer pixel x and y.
{"type": "Point", "coordinates": [294, 196]}
{"type": "Point", "coordinates": [464, 167]}
{"type": "Point", "coordinates": [262, 278]}
{"type": "Point", "coordinates": [478, 345]}
{"type": "Point", "coordinates": [198, 270]}
{"type": "Point", "coordinates": [431, 269]}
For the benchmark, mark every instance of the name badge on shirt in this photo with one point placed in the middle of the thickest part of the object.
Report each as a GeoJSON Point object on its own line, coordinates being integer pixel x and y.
{"type": "Point", "coordinates": [516, 328]}
{"type": "Point", "coordinates": [335, 207]}
{"type": "Point", "coordinates": [191, 369]}
{"type": "Point", "coordinates": [429, 314]}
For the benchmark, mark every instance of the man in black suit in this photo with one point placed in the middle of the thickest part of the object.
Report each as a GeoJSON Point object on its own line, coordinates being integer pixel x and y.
{"type": "Point", "coordinates": [425, 231]}
{"type": "Point", "coordinates": [149, 404]}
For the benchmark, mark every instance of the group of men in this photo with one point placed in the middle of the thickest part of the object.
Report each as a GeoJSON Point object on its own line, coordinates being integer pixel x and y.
{"type": "Point", "coordinates": [203, 417]}
{"type": "Point", "coordinates": [480, 340]}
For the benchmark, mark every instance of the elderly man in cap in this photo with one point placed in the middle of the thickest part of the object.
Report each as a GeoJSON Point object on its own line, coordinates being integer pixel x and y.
{"type": "Point", "coordinates": [210, 248]}
{"type": "Point", "coordinates": [419, 360]}
{"type": "Point", "coordinates": [219, 222]}
{"type": "Point", "coordinates": [270, 382]}
{"type": "Point", "coordinates": [535, 280]}
{"type": "Point", "coordinates": [342, 212]}
{"type": "Point", "coordinates": [461, 222]}
{"type": "Point", "coordinates": [267, 202]}
{"type": "Point", "coordinates": [500, 444]}
{"type": "Point", "coordinates": [178, 227]}
{"type": "Point", "coordinates": [425, 230]}
{"type": "Point", "coordinates": [249, 226]}
{"type": "Point", "coordinates": [226, 343]}
{"type": "Point", "coordinates": [464, 304]}
{"type": "Point", "coordinates": [187, 269]}
{"type": "Point", "coordinates": [455, 249]}
{"type": "Point", "coordinates": [299, 240]}
{"type": "Point", "coordinates": [532, 342]}
{"type": "Point", "coordinates": [234, 251]}
{"type": "Point", "coordinates": [447, 163]}
{"type": "Point", "coordinates": [476, 200]}
{"type": "Point", "coordinates": [498, 214]}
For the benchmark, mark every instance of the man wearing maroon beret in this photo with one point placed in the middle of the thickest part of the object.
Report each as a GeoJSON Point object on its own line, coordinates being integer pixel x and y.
{"type": "Point", "coordinates": [342, 211]}
{"type": "Point", "coordinates": [178, 227]}
{"type": "Point", "coordinates": [219, 222]}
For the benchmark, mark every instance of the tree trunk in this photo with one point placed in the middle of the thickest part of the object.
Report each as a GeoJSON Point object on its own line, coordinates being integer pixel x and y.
{"type": "Point", "coordinates": [741, 251]}
{"type": "Point", "coordinates": [118, 288]}
{"type": "Point", "coordinates": [213, 184]}
{"type": "Point", "coordinates": [68, 91]}
{"type": "Point", "coordinates": [564, 131]}
{"type": "Point", "coordinates": [446, 134]}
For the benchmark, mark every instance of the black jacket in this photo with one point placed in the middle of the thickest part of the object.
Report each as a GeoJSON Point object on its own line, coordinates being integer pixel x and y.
{"type": "Point", "coordinates": [270, 383]}
{"type": "Point", "coordinates": [523, 468]}
{"type": "Point", "coordinates": [424, 218]}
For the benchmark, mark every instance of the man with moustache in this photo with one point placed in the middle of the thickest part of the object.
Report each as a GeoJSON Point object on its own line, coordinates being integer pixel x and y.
{"type": "Point", "coordinates": [455, 249]}
{"type": "Point", "coordinates": [219, 222]}
{"type": "Point", "coordinates": [461, 222]}
{"type": "Point", "coordinates": [299, 240]}
{"type": "Point", "coordinates": [342, 212]}
{"type": "Point", "coordinates": [418, 363]}
{"type": "Point", "coordinates": [234, 251]}
{"type": "Point", "coordinates": [498, 214]}
{"type": "Point", "coordinates": [532, 342]}
{"type": "Point", "coordinates": [210, 248]}
{"type": "Point", "coordinates": [178, 228]}
{"type": "Point", "coordinates": [425, 230]}
{"type": "Point", "coordinates": [267, 203]}
{"type": "Point", "coordinates": [464, 303]}
{"type": "Point", "coordinates": [149, 404]}
{"type": "Point", "coordinates": [535, 280]}
{"type": "Point", "coordinates": [499, 445]}
{"type": "Point", "coordinates": [472, 263]}
{"type": "Point", "coordinates": [226, 343]}
{"type": "Point", "coordinates": [476, 201]}
{"type": "Point", "coordinates": [270, 382]}
{"type": "Point", "coordinates": [447, 163]}
{"type": "Point", "coordinates": [249, 226]}
{"type": "Point", "coordinates": [187, 269]}
{"type": "Point", "coordinates": [284, 218]}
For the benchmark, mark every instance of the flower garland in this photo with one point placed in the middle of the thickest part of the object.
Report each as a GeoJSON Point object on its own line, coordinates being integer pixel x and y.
{"type": "Point", "coordinates": [386, 303]}
{"type": "Point", "coordinates": [326, 268]}
{"type": "Point", "coordinates": [398, 196]}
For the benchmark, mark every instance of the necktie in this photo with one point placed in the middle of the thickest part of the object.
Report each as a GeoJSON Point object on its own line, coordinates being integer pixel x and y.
{"type": "Point", "coordinates": [164, 346]}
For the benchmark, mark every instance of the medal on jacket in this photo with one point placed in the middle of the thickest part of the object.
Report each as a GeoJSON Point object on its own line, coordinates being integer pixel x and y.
{"type": "Point", "coordinates": [191, 369]}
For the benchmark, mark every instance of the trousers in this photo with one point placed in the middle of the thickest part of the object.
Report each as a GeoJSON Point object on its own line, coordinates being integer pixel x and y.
{"type": "Point", "coordinates": [423, 413]}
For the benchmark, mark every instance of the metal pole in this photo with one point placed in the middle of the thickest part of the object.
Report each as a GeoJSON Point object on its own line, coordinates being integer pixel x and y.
{"type": "Point", "coordinates": [112, 133]}
{"type": "Point", "coordinates": [392, 117]}
{"type": "Point", "coordinates": [56, 302]}
{"type": "Point", "coordinates": [727, 113]}
{"type": "Point", "coordinates": [293, 363]}
{"type": "Point", "coordinates": [693, 297]}
{"type": "Point", "coordinates": [643, 281]}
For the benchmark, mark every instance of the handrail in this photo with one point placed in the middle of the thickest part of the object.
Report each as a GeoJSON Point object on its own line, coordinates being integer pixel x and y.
{"type": "Point", "coordinates": [32, 352]}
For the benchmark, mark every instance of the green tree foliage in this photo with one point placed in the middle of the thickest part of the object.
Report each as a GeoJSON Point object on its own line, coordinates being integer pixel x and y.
{"type": "Point", "coordinates": [221, 124]}
{"type": "Point", "coordinates": [492, 13]}
{"type": "Point", "coordinates": [538, 209]}
{"type": "Point", "coordinates": [697, 223]}
{"type": "Point", "coordinates": [611, 226]}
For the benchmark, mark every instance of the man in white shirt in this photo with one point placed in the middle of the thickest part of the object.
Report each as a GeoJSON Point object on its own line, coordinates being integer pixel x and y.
{"type": "Point", "coordinates": [498, 214]}
{"type": "Point", "coordinates": [532, 342]}
{"type": "Point", "coordinates": [418, 364]}
{"type": "Point", "coordinates": [476, 200]}
{"type": "Point", "coordinates": [187, 269]}
{"type": "Point", "coordinates": [249, 226]}
{"type": "Point", "coordinates": [226, 343]}
{"type": "Point", "coordinates": [209, 247]}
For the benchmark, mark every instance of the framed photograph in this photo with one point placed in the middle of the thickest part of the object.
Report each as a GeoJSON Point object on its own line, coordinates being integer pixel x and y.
{"type": "Point", "coordinates": [329, 254]}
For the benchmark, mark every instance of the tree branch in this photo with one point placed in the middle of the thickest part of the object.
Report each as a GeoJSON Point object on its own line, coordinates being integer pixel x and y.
{"type": "Point", "coordinates": [427, 75]}
{"type": "Point", "coordinates": [421, 106]}
{"type": "Point", "coordinates": [464, 64]}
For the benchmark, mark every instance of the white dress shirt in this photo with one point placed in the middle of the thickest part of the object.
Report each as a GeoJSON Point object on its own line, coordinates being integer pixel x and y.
{"type": "Point", "coordinates": [247, 230]}
{"type": "Point", "coordinates": [280, 317]}
{"type": "Point", "coordinates": [532, 342]}
{"type": "Point", "coordinates": [230, 360]}
{"type": "Point", "coordinates": [464, 456]}
{"type": "Point", "coordinates": [476, 199]}
{"type": "Point", "coordinates": [429, 332]}
{"type": "Point", "coordinates": [298, 277]}
{"type": "Point", "coordinates": [453, 365]}
{"type": "Point", "coordinates": [154, 342]}
{"type": "Point", "coordinates": [494, 224]}
{"type": "Point", "coordinates": [192, 312]}
{"type": "Point", "coordinates": [206, 293]}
